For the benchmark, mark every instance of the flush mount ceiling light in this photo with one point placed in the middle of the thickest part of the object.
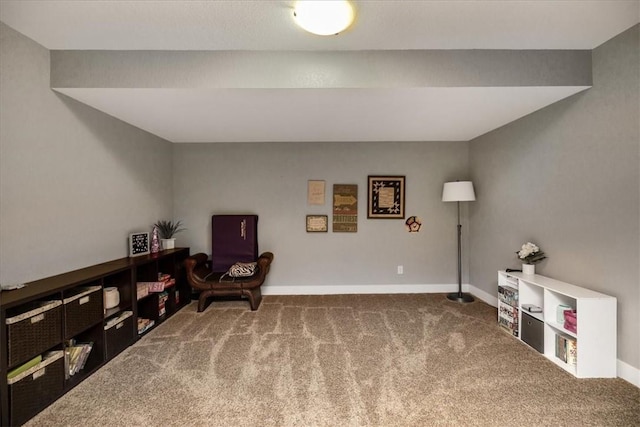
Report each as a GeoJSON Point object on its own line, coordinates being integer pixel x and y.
{"type": "Point", "coordinates": [323, 18]}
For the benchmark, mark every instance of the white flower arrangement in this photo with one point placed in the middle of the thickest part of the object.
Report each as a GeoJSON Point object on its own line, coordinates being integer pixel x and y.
{"type": "Point", "coordinates": [530, 253]}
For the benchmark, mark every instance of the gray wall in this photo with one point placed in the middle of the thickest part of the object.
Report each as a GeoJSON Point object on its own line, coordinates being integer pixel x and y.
{"type": "Point", "coordinates": [567, 178]}
{"type": "Point", "coordinates": [74, 182]}
{"type": "Point", "coordinates": [271, 180]}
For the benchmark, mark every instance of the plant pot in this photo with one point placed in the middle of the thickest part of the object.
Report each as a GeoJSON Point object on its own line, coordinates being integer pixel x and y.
{"type": "Point", "coordinates": [168, 243]}
{"type": "Point", "coordinates": [528, 269]}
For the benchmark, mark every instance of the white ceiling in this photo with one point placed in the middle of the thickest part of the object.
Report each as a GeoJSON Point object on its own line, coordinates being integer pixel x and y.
{"type": "Point", "coordinates": [306, 115]}
{"type": "Point", "coordinates": [375, 114]}
{"type": "Point", "coordinates": [268, 25]}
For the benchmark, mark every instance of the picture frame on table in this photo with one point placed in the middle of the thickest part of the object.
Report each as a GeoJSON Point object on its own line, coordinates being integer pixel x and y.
{"type": "Point", "coordinates": [138, 244]}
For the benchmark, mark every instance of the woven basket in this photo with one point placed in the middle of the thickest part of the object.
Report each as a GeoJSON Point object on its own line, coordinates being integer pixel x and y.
{"type": "Point", "coordinates": [35, 391]}
{"type": "Point", "coordinates": [82, 310]}
{"type": "Point", "coordinates": [37, 329]}
{"type": "Point", "coordinates": [119, 335]}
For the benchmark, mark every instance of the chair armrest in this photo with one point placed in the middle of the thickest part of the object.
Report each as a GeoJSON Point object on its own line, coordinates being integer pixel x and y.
{"type": "Point", "coordinates": [264, 263]}
{"type": "Point", "coordinates": [197, 270]}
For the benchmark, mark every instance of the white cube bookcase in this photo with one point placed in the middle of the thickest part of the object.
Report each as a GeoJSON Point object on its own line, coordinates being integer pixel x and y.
{"type": "Point", "coordinates": [596, 319]}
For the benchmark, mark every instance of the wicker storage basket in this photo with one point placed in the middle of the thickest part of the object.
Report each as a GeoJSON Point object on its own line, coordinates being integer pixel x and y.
{"type": "Point", "coordinates": [82, 309]}
{"type": "Point", "coordinates": [35, 330]}
{"type": "Point", "coordinates": [34, 389]}
{"type": "Point", "coordinates": [119, 334]}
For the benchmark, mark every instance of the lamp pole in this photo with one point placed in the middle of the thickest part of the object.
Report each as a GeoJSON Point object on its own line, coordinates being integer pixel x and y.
{"type": "Point", "coordinates": [459, 254]}
{"type": "Point", "coordinates": [460, 296]}
{"type": "Point", "coordinates": [459, 191]}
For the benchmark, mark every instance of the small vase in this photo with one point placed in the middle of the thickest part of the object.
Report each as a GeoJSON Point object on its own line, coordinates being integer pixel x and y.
{"type": "Point", "coordinates": [528, 269]}
{"type": "Point", "coordinates": [168, 243]}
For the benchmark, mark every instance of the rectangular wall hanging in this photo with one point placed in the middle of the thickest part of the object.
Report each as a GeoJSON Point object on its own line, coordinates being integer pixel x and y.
{"type": "Point", "coordinates": [385, 197]}
{"type": "Point", "coordinates": [315, 192]}
{"type": "Point", "coordinates": [345, 208]}
{"type": "Point", "coordinates": [138, 244]}
{"type": "Point", "coordinates": [317, 223]}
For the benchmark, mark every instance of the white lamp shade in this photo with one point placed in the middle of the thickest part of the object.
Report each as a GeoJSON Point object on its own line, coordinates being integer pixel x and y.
{"type": "Point", "coordinates": [323, 17]}
{"type": "Point", "coordinates": [459, 191]}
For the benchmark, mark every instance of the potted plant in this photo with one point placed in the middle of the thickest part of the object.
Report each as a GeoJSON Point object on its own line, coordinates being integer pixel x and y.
{"type": "Point", "coordinates": [167, 230]}
{"type": "Point", "coordinates": [530, 254]}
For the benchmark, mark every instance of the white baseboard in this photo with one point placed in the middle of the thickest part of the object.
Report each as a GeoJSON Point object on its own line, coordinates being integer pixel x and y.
{"type": "Point", "coordinates": [625, 371]}
{"type": "Point", "coordinates": [360, 289]}
{"type": "Point", "coordinates": [628, 373]}
{"type": "Point", "coordinates": [378, 289]}
{"type": "Point", "coordinates": [490, 299]}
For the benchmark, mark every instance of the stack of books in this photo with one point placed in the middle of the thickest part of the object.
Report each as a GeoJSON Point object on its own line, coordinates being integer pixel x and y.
{"type": "Point", "coordinates": [76, 355]}
{"type": "Point", "coordinates": [508, 318]}
{"type": "Point", "coordinates": [566, 350]}
{"type": "Point", "coordinates": [162, 304]}
{"type": "Point", "coordinates": [531, 308]}
{"type": "Point", "coordinates": [144, 325]}
{"type": "Point", "coordinates": [164, 281]}
{"type": "Point", "coordinates": [142, 290]}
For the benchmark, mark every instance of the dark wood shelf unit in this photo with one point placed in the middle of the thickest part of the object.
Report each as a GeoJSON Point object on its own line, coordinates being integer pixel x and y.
{"type": "Point", "coordinates": [121, 273]}
{"type": "Point", "coordinates": [95, 359]}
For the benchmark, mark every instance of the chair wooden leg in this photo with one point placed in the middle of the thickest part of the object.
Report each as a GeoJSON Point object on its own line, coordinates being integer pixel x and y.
{"type": "Point", "coordinates": [255, 297]}
{"type": "Point", "coordinates": [202, 301]}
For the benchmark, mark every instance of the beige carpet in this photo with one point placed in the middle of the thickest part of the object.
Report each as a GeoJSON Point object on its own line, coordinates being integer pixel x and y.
{"type": "Point", "coordinates": [372, 360]}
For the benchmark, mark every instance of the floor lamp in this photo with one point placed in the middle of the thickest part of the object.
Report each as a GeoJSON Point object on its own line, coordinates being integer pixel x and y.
{"type": "Point", "coordinates": [459, 191]}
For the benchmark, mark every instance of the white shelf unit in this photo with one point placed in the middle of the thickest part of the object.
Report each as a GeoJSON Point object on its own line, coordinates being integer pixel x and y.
{"type": "Point", "coordinates": [596, 320]}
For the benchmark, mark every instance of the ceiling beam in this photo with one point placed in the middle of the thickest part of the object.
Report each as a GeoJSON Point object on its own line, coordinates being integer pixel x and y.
{"type": "Point", "coordinates": [307, 70]}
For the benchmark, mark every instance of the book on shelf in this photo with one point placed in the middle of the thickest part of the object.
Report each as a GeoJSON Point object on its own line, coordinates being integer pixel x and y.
{"type": "Point", "coordinates": [510, 326]}
{"type": "Point", "coordinates": [25, 366]}
{"type": "Point", "coordinates": [508, 296]}
{"type": "Point", "coordinates": [162, 303]}
{"type": "Point", "coordinates": [566, 350]}
{"type": "Point", "coordinates": [561, 348]}
{"type": "Point", "coordinates": [85, 355]}
{"type": "Point", "coordinates": [572, 352]}
{"type": "Point", "coordinates": [144, 324]}
{"type": "Point", "coordinates": [76, 357]}
{"type": "Point", "coordinates": [154, 287]}
{"type": "Point", "coordinates": [142, 290]}
{"type": "Point", "coordinates": [531, 308]}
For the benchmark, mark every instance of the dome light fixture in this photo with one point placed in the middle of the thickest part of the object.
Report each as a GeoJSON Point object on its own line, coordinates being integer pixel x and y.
{"type": "Point", "coordinates": [323, 17]}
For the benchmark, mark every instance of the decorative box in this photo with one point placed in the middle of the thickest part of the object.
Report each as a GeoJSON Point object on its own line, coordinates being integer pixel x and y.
{"type": "Point", "coordinates": [533, 332]}
{"type": "Point", "coordinates": [560, 312]}
{"type": "Point", "coordinates": [571, 321]}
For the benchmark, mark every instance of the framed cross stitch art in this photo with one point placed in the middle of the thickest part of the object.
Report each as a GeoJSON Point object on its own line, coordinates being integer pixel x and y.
{"type": "Point", "coordinates": [385, 197]}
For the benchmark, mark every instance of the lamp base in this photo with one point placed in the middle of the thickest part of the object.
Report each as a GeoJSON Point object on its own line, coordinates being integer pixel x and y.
{"type": "Point", "coordinates": [460, 297]}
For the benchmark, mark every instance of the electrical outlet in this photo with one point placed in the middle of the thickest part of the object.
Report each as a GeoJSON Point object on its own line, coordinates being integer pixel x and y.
{"type": "Point", "coordinates": [400, 269]}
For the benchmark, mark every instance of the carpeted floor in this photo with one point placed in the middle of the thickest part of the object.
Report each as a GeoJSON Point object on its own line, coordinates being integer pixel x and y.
{"type": "Point", "coordinates": [343, 360]}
